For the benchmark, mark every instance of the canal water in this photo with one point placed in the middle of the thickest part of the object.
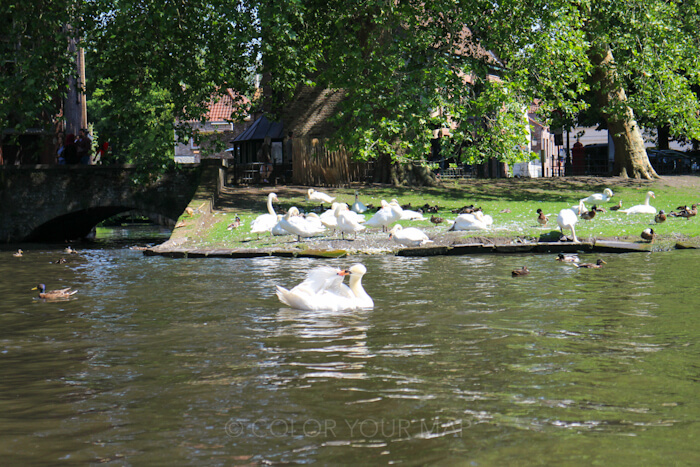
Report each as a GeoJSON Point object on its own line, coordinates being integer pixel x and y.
{"type": "Point", "coordinates": [194, 361]}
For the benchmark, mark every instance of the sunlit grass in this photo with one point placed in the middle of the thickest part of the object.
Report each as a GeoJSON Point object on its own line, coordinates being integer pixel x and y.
{"type": "Point", "coordinates": [521, 197]}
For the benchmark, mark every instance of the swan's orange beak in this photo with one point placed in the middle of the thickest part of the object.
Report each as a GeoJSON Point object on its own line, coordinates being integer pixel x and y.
{"type": "Point", "coordinates": [344, 272]}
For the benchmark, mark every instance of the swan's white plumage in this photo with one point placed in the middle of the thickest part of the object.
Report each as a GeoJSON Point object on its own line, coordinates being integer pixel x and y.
{"type": "Point", "coordinates": [472, 221]}
{"type": "Point", "coordinates": [645, 208]}
{"type": "Point", "coordinates": [409, 236]}
{"type": "Point", "coordinates": [603, 197]}
{"type": "Point", "coordinates": [314, 195]}
{"type": "Point", "coordinates": [357, 206]}
{"type": "Point", "coordinates": [347, 220]}
{"type": "Point", "coordinates": [323, 289]}
{"type": "Point", "coordinates": [265, 222]}
{"type": "Point", "coordinates": [386, 216]}
{"type": "Point", "coordinates": [567, 219]}
{"type": "Point", "coordinates": [297, 225]}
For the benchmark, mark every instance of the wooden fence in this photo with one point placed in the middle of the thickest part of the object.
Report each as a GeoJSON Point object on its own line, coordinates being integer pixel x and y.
{"type": "Point", "coordinates": [315, 165]}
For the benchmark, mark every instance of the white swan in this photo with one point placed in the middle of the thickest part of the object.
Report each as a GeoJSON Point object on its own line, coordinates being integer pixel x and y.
{"type": "Point", "coordinates": [407, 214]}
{"type": "Point", "coordinates": [357, 206]}
{"type": "Point", "coordinates": [323, 289]}
{"type": "Point", "coordinates": [265, 222]}
{"type": "Point", "coordinates": [642, 208]}
{"type": "Point", "coordinates": [410, 236]}
{"type": "Point", "coordinates": [347, 220]}
{"type": "Point", "coordinates": [471, 221]}
{"type": "Point", "coordinates": [603, 197]}
{"type": "Point", "coordinates": [386, 216]}
{"type": "Point", "coordinates": [566, 219]}
{"type": "Point", "coordinates": [277, 230]}
{"type": "Point", "coordinates": [314, 195]}
{"type": "Point", "coordinates": [296, 225]}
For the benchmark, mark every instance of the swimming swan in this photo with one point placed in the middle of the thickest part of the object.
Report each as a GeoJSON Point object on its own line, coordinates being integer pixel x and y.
{"type": "Point", "coordinates": [323, 289]}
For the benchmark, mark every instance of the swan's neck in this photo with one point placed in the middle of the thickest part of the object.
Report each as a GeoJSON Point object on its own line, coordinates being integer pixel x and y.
{"type": "Point", "coordinates": [646, 201]}
{"type": "Point", "coordinates": [270, 210]}
{"type": "Point", "coordinates": [356, 286]}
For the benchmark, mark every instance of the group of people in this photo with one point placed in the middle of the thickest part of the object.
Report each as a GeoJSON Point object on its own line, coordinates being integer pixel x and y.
{"type": "Point", "coordinates": [79, 150]}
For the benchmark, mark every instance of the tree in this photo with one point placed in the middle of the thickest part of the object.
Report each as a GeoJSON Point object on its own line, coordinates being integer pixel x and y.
{"type": "Point", "coordinates": [155, 66]}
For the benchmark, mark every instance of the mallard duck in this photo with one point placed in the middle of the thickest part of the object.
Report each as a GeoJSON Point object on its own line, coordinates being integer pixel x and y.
{"type": "Point", "coordinates": [598, 264]}
{"type": "Point", "coordinates": [618, 206]}
{"type": "Point", "coordinates": [69, 250]}
{"type": "Point", "coordinates": [541, 218]}
{"type": "Point", "coordinates": [688, 213]}
{"type": "Point", "coordinates": [660, 217]}
{"type": "Point", "coordinates": [18, 254]}
{"type": "Point", "coordinates": [567, 258]}
{"type": "Point", "coordinates": [60, 261]}
{"type": "Point", "coordinates": [436, 220]}
{"type": "Point", "coordinates": [54, 294]}
{"type": "Point", "coordinates": [520, 272]}
{"type": "Point", "coordinates": [648, 235]}
{"type": "Point", "coordinates": [505, 211]}
{"type": "Point", "coordinates": [235, 224]}
{"type": "Point", "coordinates": [587, 215]}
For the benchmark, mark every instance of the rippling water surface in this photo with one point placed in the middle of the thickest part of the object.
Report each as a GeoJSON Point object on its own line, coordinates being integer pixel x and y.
{"type": "Point", "coordinates": [194, 361]}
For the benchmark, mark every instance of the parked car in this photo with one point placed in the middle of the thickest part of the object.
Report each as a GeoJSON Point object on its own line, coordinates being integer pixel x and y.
{"type": "Point", "coordinates": [669, 161]}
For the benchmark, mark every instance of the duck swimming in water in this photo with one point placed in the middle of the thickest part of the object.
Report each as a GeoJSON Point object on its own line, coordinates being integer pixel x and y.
{"type": "Point", "coordinates": [520, 272]}
{"type": "Point", "coordinates": [54, 294]}
{"type": "Point", "coordinates": [597, 265]}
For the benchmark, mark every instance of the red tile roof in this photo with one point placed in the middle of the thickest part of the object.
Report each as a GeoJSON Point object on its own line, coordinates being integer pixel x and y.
{"type": "Point", "coordinates": [221, 110]}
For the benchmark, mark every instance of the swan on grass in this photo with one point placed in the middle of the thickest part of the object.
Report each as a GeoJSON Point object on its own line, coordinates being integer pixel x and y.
{"type": "Point", "coordinates": [567, 219]}
{"type": "Point", "coordinates": [472, 221]}
{"type": "Point", "coordinates": [297, 225]}
{"type": "Point", "coordinates": [387, 215]}
{"type": "Point", "coordinates": [603, 197]}
{"type": "Point", "coordinates": [407, 214]}
{"type": "Point", "coordinates": [357, 206]}
{"type": "Point", "coordinates": [645, 208]}
{"type": "Point", "coordinates": [347, 220]}
{"type": "Point", "coordinates": [265, 222]}
{"type": "Point", "coordinates": [410, 236]}
{"type": "Point", "coordinates": [323, 289]}
{"type": "Point", "coordinates": [314, 195]}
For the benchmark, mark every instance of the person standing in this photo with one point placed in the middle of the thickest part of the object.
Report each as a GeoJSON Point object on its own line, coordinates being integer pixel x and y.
{"type": "Point", "coordinates": [70, 150]}
{"type": "Point", "coordinates": [265, 158]}
{"type": "Point", "coordinates": [84, 147]}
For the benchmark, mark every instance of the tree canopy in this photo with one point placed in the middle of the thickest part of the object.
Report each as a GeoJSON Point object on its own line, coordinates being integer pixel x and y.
{"type": "Point", "coordinates": [406, 68]}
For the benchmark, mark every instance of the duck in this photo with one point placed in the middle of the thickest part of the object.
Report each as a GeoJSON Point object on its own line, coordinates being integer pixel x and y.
{"type": "Point", "coordinates": [642, 208]}
{"type": "Point", "coordinates": [60, 261]}
{"type": "Point", "coordinates": [660, 217]}
{"type": "Point", "coordinates": [265, 222]}
{"type": "Point", "coordinates": [409, 236]}
{"type": "Point", "coordinates": [387, 215]}
{"type": "Point", "coordinates": [567, 219]}
{"type": "Point", "coordinates": [541, 218]}
{"type": "Point", "coordinates": [597, 265]}
{"type": "Point", "coordinates": [54, 294]}
{"type": "Point", "coordinates": [648, 235]}
{"type": "Point", "coordinates": [347, 221]}
{"type": "Point", "coordinates": [293, 223]}
{"type": "Point", "coordinates": [235, 224]}
{"type": "Point", "coordinates": [505, 211]}
{"type": "Point", "coordinates": [587, 215]}
{"type": "Point", "coordinates": [436, 220]}
{"type": "Point", "coordinates": [474, 221]}
{"type": "Point", "coordinates": [567, 258]}
{"type": "Point", "coordinates": [617, 206]}
{"type": "Point", "coordinates": [357, 206]}
{"type": "Point", "coordinates": [688, 213]}
{"type": "Point", "coordinates": [603, 197]}
{"type": "Point", "coordinates": [323, 290]}
{"type": "Point", "coordinates": [314, 195]}
{"type": "Point", "coordinates": [520, 272]}
{"type": "Point", "coordinates": [18, 253]}
{"type": "Point", "coordinates": [69, 250]}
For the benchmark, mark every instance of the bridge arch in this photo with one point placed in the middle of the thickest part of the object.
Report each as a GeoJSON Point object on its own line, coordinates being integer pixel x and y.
{"type": "Point", "coordinates": [56, 203]}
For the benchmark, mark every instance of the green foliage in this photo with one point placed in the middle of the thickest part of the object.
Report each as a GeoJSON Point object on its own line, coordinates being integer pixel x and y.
{"type": "Point", "coordinates": [34, 61]}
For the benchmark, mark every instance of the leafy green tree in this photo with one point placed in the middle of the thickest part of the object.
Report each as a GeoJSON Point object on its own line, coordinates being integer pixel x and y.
{"type": "Point", "coordinates": [34, 62]}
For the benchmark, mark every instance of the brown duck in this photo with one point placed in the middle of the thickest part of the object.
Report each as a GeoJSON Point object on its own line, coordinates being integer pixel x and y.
{"type": "Point", "coordinates": [648, 235]}
{"type": "Point", "coordinates": [541, 218]}
{"type": "Point", "coordinates": [597, 265]}
{"type": "Point", "coordinates": [54, 294]}
{"type": "Point", "coordinates": [615, 208]}
{"type": "Point", "coordinates": [521, 272]}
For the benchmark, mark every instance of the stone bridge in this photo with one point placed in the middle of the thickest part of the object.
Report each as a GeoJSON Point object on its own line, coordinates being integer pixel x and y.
{"type": "Point", "coordinates": [49, 203]}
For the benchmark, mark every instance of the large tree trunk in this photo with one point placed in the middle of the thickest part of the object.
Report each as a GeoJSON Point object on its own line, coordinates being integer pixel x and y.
{"type": "Point", "coordinates": [630, 155]}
